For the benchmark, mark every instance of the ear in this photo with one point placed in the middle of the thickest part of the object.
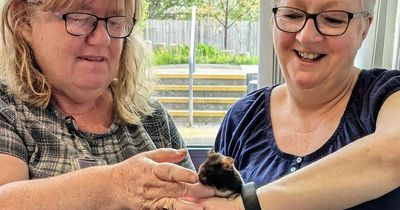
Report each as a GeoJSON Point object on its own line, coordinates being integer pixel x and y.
{"type": "Point", "coordinates": [368, 23]}
{"type": "Point", "coordinates": [26, 31]}
{"type": "Point", "coordinates": [211, 152]}
{"type": "Point", "coordinates": [227, 163]}
{"type": "Point", "coordinates": [18, 10]}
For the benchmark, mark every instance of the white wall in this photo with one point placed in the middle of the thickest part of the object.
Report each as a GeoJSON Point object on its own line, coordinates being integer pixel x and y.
{"type": "Point", "coordinates": [396, 50]}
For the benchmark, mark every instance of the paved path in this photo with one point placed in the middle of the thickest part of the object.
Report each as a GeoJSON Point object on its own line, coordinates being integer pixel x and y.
{"type": "Point", "coordinates": [198, 134]}
{"type": "Point", "coordinates": [207, 69]}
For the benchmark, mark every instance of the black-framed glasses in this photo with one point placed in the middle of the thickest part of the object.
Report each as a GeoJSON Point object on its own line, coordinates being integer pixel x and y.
{"type": "Point", "coordinates": [83, 24]}
{"type": "Point", "coordinates": [329, 23]}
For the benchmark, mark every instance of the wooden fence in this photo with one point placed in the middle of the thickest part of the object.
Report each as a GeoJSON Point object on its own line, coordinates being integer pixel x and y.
{"type": "Point", "coordinates": [243, 37]}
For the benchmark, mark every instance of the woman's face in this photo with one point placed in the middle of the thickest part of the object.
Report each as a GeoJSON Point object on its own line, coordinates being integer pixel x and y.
{"type": "Point", "coordinates": [79, 68]}
{"type": "Point", "coordinates": [308, 58]}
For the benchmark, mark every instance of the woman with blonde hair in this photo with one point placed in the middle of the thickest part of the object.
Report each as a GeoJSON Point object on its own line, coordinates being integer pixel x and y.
{"type": "Point", "coordinates": [78, 128]}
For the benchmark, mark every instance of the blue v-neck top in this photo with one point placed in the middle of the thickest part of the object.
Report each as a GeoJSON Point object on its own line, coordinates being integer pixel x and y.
{"type": "Point", "coordinates": [246, 133]}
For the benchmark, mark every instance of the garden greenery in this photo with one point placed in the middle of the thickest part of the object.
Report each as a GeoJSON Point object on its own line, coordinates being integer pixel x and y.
{"type": "Point", "coordinates": [205, 54]}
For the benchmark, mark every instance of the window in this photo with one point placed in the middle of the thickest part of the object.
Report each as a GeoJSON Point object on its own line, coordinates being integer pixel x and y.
{"type": "Point", "coordinates": [226, 60]}
{"type": "Point", "coordinates": [380, 50]}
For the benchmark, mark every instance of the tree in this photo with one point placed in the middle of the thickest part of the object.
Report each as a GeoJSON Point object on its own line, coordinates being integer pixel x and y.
{"type": "Point", "coordinates": [170, 9]}
{"type": "Point", "coordinates": [228, 12]}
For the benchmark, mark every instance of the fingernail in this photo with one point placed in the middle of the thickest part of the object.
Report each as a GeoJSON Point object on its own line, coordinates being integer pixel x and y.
{"type": "Point", "coordinates": [194, 178]}
{"type": "Point", "coordinates": [181, 151]}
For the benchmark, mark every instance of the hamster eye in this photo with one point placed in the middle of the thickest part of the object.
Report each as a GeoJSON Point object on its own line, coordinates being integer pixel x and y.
{"type": "Point", "coordinates": [210, 170]}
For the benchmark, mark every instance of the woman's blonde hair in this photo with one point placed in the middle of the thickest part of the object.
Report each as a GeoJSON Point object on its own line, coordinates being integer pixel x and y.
{"type": "Point", "coordinates": [133, 85]}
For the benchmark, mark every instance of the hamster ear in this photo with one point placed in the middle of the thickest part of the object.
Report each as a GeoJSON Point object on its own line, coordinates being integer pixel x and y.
{"type": "Point", "coordinates": [211, 152]}
{"type": "Point", "coordinates": [227, 163]}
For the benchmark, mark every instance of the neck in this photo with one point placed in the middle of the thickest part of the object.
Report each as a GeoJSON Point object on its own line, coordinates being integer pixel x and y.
{"type": "Point", "coordinates": [309, 109]}
{"type": "Point", "coordinates": [93, 116]}
{"type": "Point", "coordinates": [75, 109]}
{"type": "Point", "coordinates": [322, 97]}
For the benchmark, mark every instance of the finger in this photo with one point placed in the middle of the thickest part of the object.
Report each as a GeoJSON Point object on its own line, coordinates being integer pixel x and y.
{"type": "Point", "coordinates": [184, 205]}
{"type": "Point", "coordinates": [198, 191]}
{"type": "Point", "coordinates": [166, 155]}
{"type": "Point", "coordinates": [180, 190]}
{"type": "Point", "coordinates": [221, 203]}
{"type": "Point", "coordinates": [175, 173]}
{"type": "Point", "coordinates": [189, 190]}
{"type": "Point", "coordinates": [177, 204]}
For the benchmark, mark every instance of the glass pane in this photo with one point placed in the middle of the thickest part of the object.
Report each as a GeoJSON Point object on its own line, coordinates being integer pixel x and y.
{"type": "Point", "coordinates": [226, 46]}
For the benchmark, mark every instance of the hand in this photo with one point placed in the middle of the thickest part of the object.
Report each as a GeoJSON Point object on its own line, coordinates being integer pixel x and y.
{"type": "Point", "coordinates": [150, 180]}
{"type": "Point", "coordinates": [217, 203]}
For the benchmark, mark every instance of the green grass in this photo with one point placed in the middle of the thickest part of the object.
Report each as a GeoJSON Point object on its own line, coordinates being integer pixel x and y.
{"type": "Point", "coordinates": [204, 54]}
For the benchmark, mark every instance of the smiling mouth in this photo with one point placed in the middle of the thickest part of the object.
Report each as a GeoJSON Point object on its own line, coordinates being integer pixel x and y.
{"type": "Point", "coordinates": [309, 56]}
{"type": "Point", "coordinates": [92, 59]}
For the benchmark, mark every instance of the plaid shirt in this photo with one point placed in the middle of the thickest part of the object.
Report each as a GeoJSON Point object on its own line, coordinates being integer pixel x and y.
{"type": "Point", "coordinates": [41, 138]}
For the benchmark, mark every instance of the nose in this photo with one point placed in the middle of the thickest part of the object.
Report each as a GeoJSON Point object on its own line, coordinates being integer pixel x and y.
{"type": "Point", "coordinates": [99, 35]}
{"type": "Point", "coordinates": [309, 33]}
{"type": "Point", "coordinates": [203, 179]}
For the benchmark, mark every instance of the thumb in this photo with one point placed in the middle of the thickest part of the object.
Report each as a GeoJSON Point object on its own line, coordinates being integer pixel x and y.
{"type": "Point", "coordinates": [166, 155]}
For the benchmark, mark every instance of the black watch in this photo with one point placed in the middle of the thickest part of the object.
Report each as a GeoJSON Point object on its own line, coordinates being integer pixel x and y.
{"type": "Point", "coordinates": [249, 196]}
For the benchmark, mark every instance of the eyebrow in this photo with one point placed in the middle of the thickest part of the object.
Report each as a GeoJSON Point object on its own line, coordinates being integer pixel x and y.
{"type": "Point", "coordinates": [86, 5]}
{"type": "Point", "coordinates": [331, 4]}
{"type": "Point", "coordinates": [325, 6]}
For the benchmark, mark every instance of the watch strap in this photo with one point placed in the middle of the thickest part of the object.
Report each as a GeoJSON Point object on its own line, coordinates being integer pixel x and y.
{"type": "Point", "coordinates": [249, 196]}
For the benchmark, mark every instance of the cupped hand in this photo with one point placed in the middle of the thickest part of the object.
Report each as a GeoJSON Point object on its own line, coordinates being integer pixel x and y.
{"type": "Point", "coordinates": [217, 203]}
{"type": "Point", "coordinates": [150, 181]}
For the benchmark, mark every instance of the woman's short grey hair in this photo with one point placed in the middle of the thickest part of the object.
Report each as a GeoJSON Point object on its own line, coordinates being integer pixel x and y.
{"type": "Point", "coordinates": [367, 5]}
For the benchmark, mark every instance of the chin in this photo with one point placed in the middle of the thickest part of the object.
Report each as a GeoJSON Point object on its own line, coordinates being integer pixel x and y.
{"type": "Point", "coordinates": [305, 83]}
{"type": "Point", "coordinates": [304, 86]}
{"type": "Point", "coordinates": [92, 85]}
{"type": "Point", "coordinates": [306, 79]}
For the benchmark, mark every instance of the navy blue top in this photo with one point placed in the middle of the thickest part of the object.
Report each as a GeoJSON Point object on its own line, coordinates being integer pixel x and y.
{"type": "Point", "coordinates": [246, 133]}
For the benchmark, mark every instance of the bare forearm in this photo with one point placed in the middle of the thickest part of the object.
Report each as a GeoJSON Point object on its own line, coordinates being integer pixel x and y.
{"type": "Point", "coordinates": [359, 172]}
{"type": "Point", "coordinates": [85, 189]}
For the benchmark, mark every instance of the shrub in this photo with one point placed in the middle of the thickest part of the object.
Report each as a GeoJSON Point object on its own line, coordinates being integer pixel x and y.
{"type": "Point", "coordinates": [204, 54]}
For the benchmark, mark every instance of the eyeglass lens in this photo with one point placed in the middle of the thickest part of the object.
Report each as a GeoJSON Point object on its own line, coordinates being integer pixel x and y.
{"type": "Point", "coordinates": [82, 24]}
{"type": "Point", "coordinates": [329, 23]}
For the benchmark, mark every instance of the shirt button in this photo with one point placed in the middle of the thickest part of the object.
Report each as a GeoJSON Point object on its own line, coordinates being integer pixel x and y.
{"type": "Point", "coordinates": [299, 159]}
{"type": "Point", "coordinates": [293, 169]}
